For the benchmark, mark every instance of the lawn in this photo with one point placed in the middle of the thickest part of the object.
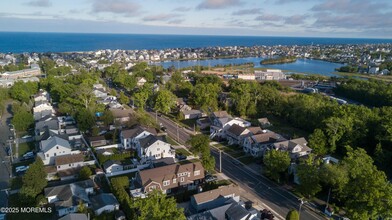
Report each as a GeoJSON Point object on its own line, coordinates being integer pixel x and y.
{"type": "Point", "coordinates": [188, 161]}
{"type": "Point", "coordinates": [26, 147]}
{"type": "Point", "coordinates": [182, 151]}
{"type": "Point", "coordinates": [191, 123]}
{"type": "Point", "coordinates": [171, 141]}
{"type": "Point", "coordinates": [129, 175]}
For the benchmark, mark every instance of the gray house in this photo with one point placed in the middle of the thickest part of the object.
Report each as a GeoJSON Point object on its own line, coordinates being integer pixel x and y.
{"type": "Point", "coordinates": [215, 198]}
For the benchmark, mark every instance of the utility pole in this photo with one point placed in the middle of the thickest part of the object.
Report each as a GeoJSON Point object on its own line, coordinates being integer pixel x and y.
{"type": "Point", "coordinates": [220, 161]}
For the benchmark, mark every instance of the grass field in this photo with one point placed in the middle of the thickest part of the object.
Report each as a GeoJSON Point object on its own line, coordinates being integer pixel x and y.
{"type": "Point", "coordinates": [182, 151]}
{"type": "Point", "coordinates": [26, 147]}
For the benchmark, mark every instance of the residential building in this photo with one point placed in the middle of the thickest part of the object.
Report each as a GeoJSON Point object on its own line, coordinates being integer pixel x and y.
{"type": "Point", "coordinates": [215, 198]}
{"type": "Point", "coordinates": [103, 203]}
{"type": "Point", "coordinates": [192, 114]}
{"type": "Point", "coordinates": [42, 109]}
{"type": "Point", "coordinates": [151, 148]}
{"type": "Point", "coordinates": [264, 122]}
{"type": "Point", "coordinates": [296, 147]}
{"type": "Point", "coordinates": [52, 147]}
{"type": "Point", "coordinates": [258, 144]}
{"type": "Point", "coordinates": [221, 122]}
{"type": "Point", "coordinates": [22, 73]}
{"type": "Point", "coordinates": [140, 81]}
{"type": "Point", "coordinates": [168, 178]}
{"type": "Point", "coordinates": [66, 198]}
{"type": "Point", "coordinates": [237, 211]}
{"type": "Point", "coordinates": [112, 166]}
{"type": "Point", "coordinates": [122, 115]}
{"type": "Point", "coordinates": [236, 134]}
{"type": "Point", "coordinates": [269, 74]}
{"type": "Point", "coordinates": [130, 137]}
{"type": "Point", "coordinates": [65, 162]}
{"type": "Point", "coordinates": [75, 216]}
{"type": "Point", "coordinates": [97, 141]}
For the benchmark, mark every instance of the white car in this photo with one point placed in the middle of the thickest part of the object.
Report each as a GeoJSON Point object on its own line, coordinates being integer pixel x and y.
{"type": "Point", "coordinates": [26, 136]}
{"type": "Point", "coordinates": [21, 169]}
{"type": "Point", "coordinates": [28, 154]}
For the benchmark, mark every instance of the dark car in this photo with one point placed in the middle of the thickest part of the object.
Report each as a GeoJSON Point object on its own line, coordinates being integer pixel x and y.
{"type": "Point", "coordinates": [163, 128]}
{"type": "Point", "coordinates": [267, 214]}
{"type": "Point", "coordinates": [8, 151]}
{"type": "Point", "coordinates": [181, 157]}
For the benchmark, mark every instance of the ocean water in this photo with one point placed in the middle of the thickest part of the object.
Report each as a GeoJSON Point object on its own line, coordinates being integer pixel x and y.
{"type": "Point", "coordinates": [19, 42]}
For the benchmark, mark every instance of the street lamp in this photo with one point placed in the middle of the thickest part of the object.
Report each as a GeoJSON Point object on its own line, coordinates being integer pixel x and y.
{"type": "Point", "coordinates": [300, 206]}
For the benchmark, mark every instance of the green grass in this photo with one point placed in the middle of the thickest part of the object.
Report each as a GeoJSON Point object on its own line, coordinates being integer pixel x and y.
{"type": "Point", "coordinates": [129, 175]}
{"type": "Point", "coordinates": [237, 154]}
{"type": "Point", "coordinates": [26, 147]}
{"type": "Point", "coordinates": [368, 76]}
{"type": "Point", "coordinates": [182, 151]}
{"type": "Point", "coordinates": [247, 159]}
{"type": "Point", "coordinates": [171, 141]}
{"type": "Point", "coordinates": [105, 216]}
{"type": "Point", "coordinates": [188, 161]}
{"type": "Point", "coordinates": [191, 123]}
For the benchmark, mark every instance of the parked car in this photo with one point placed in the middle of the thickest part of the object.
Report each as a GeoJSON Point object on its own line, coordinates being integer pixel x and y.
{"type": "Point", "coordinates": [27, 136]}
{"type": "Point", "coordinates": [210, 178]}
{"type": "Point", "coordinates": [267, 214]}
{"type": "Point", "coordinates": [30, 153]}
{"type": "Point", "coordinates": [181, 157]}
{"type": "Point", "coordinates": [8, 151]}
{"type": "Point", "coordinates": [21, 169]}
{"type": "Point", "coordinates": [163, 128]}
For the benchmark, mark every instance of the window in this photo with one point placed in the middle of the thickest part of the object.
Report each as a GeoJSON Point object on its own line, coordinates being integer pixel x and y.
{"type": "Point", "coordinates": [197, 172]}
{"type": "Point", "coordinates": [182, 179]}
{"type": "Point", "coordinates": [47, 155]}
{"type": "Point", "coordinates": [57, 147]}
{"type": "Point", "coordinates": [54, 154]}
{"type": "Point", "coordinates": [158, 149]}
{"type": "Point", "coordinates": [151, 188]}
{"type": "Point", "coordinates": [58, 166]}
{"type": "Point", "coordinates": [69, 164]}
{"type": "Point", "coordinates": [174, 180]}
{"type": "Point", "coordinates": [166, 183]}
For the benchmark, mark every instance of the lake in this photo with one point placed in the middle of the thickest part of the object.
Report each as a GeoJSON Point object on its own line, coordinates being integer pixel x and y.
{"type": "Point", "coordinates": [308, 66]}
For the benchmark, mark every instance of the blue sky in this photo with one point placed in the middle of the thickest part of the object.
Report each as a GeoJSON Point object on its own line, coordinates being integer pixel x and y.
{"type": "Point", "coordinates": [313, 18]}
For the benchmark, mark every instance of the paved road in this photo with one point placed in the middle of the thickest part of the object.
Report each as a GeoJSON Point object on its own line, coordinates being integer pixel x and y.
{"type": "Point", "coordinates": [5, 166]}
{"type": "Point", "coordinates": [273, 196]}
{"type": "Point", "coordinates": [175, 132]}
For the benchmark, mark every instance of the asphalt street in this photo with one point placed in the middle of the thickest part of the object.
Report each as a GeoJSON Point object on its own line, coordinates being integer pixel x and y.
{"type": "Point", "coordinates": [172, 129]}
{"type": "Point", "coordinates": [272, 195]}
{"type": "Point", "coordinates": [5, 166]}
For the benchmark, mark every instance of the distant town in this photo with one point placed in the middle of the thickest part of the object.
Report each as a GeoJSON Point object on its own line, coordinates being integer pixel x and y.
{"type": "Point", "coordinates": [111, 134]}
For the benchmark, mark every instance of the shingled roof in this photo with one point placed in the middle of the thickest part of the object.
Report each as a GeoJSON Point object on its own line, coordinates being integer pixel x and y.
{"type": "Point", "coordinates": [69, 158]}
{"type": "Point", "coordinates": [131, 133]}
{"type": "Point", "coordinates": [216, 193]}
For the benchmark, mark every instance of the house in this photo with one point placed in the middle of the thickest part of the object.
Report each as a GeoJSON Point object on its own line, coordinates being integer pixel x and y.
{"type": "Point", "coordinates": [140, 81]}
{"type": "Point", "coordinates": [100, 93]}
{"type": "Point", "coordinates": [191, 114]}
{"type": "Point", "coordinates": [215, 198]}
{"type": "Point", "coordinates": [296, 147]}
{"type": "Point", "coordinates": [168, 178]}
{"type": "Point", "coordinates": [237, 211]}
{"type": "Point", "coordinates": [75, 216]}
{"type": "Point", "coordinates": [52, 147]}
{"type": "Point", "coordinates": [66, 198]}
{"type": "Point", "coordinates": [112, 166]}
{"type": "Point", "coordinates": [211, 214]}
{"type": "Point", "coordinates": [203, 123]}
{"type": "Point", "coordinates": [151, 148]}
{"type": "Point", "coordinates": [71, 129]}
{"type": "Point", "coordinates": [221, 122]}
{"type": "Point", "coordinates": [257, 144]}
{"type": "Point", "coordinates": [97, 141]}
{"type": "Point", "coordinates": [65, 162]}
{"type": "Point", "coordinates": [264, 122]}
{"type": "Point", "coordinates": [104, 202]}
{"type": "Point", "coordinates": [22, 73]}
{"type": "Point", "coordinates": [42, 96]}
{"type": "Point", "coordinates": [122, 115]}
{"type": "Point", "coordinates": [119, 215]}
{"type": "Point", "coordinates": [42, 109]}
{"type": "Point", "coordinates": [129, 137]}
{"type": "Point", "coordinates": [47, 122]}
{"type": "Point", "coordinates": [236, 134]}
{"type": "Point", "coordinates": [269, 74]}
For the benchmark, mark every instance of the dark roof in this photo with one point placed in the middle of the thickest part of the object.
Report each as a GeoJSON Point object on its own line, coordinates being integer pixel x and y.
{"type": "Point", "coordinates": [97, 138]}
{"type": "Point", "coordinates": [131, 133]}
{"type": "Point", "coordinates": [237, 212]}
{"type": "Point", "coordinates": [163, 162]}
{"type": "Point", "coordinates": [223, 191]}
{"type": "Point", "coordinates": [148, 141]}
{"type": "Point", "coordinates": [236, 129]}
{"type": "Point", "coordinates": [74, 216]}
{"type": "Point", "coordinates": [122, 113]}
{"type": "Point", "coordinates": [102, 200]}
{"type": "Point", "coordinates": [221, 114]}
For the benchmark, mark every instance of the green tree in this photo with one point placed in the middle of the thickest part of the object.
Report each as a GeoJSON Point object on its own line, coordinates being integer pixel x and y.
{"type": "Point", "coordinates": [158, 206]}
{"type": "Point", "coordinates": [85, 173]}
{"type": "Point", "coordinates": [205, 96]}
{"type": "Point", "coordinates": [368, 193]}
{"type": "Point", "coordinates": [85, 119]}
{"type": "Point", "coordinates": [164, 101]}
{"type": "Point", "coordinates": [22, 119]}
{"type": "Point", "coordinates": [200, 145]}
{"type": "Point", "coordinates": [33, 182]}
{"type": "Point", "coordinates": [318, 142]}
{"type": "Point", "coordinates": [309, 177]}
{"type": "Point", "coordinates": [123, 98]}
{"type": "Point", "coordinates": [276, 162]}
{"type": "Point", "coordinates": [334, 176]}
{"type": "Point", "coordinates": [292, 215]}
{"type": "Point", "coordinates": [82, 208]}
{"type": "Point", "coordinates": [107, 117]}
{"type": "Point", "coordinates": [22, 91]}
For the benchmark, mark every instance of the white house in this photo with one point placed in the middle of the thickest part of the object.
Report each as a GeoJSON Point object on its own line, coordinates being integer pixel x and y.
{"type": "Point", "coordinates": [52, 147]}
{"type": "Point", "coordinates": [257, 144]}
{"type": "Point", "coordinates": [42, 96]}
{"type": "Point", "coordinates": [151, 148]}
{"type": "Point", "coordinates": [235, 134]}
{"type": "Point", "coordinates": [296, 147]}
{"type": "Point", "coordinates": [112, 166]}
{"type": "Point", "coordinates": [41, 109]}
{"type": "Point", "coordinates": [140, 81]}
{"type": "Point", "coordinates": [131, 136]}
{"type": "Point", "coordinates": [104, 202]}
{"type": "Point", "coordinates": [219, 126]}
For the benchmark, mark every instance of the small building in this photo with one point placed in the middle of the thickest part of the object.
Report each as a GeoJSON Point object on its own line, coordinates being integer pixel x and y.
{"type": "Point", "coordinates": [65, 162]}
{"type": "Point", "coordinates": [238, 211]}
{"type": "Point", "coordinates": [104, 202]}
{"type": "Point", "coordinates": [215, 198]}
{"type": "Point", "coordinates": [97, 141]}
{"type": "Point", "coordinates": [53, 147]}
{"type": "Point", "coordinates": [75, 216]}
{"type": "Point", "coordinates": [122, 115]}
{"type": "Point", "coordinates": [296, 147]}
{"type": "Point", "coordinates": [264, 122]}
{"type": "Point", "coordinates": [112, 166]}
{"type": "Point", "coordinates": [191, 114]}
{"type": "Point", "coordinates": [130, 137]}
